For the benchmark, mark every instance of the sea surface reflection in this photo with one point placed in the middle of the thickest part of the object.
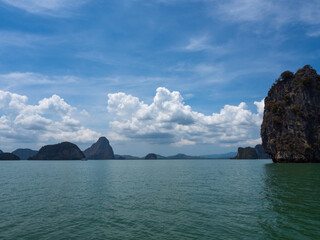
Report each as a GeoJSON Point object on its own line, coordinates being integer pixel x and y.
{"type": "Point", "coordinates": [293, 201]}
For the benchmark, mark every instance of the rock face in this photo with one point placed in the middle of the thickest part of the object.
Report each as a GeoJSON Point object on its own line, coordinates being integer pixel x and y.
{"type": "Point", "coordinates": [24, 153]}
{"type": "Point", "coordinates": [8, 156]}
{"type": "Point", "coordinates": [100, 150]}
{"type": "Point", "coordinates": [61, 151]}
{"type": "Point", "coordinates": [1, 152]}
{"type": "Point", "coordinates": [290, 130]}
{"type": "Point", "coordinates": [151, 156]}
{"type": "Point", "coordinates": [251, 153]}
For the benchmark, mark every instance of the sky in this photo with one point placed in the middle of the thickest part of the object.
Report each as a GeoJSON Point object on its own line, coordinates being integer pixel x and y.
{"type": "Point", "coordinates": [163, 76]}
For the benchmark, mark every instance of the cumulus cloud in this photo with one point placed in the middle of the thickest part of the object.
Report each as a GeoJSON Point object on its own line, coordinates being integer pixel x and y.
{"type": "Point", "coordinates": [51, 120]}
{"type": "Point", "coordinates": [169, 120]}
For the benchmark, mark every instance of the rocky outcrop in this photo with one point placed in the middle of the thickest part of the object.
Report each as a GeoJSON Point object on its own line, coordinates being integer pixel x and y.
{"type": "Point", "coordinates": [246, 153]}
{"type": "Point", "coordinates": [1, 152]}
{"type": "Point", "coordinates": [290, 130]}
{"type": "Point", "coordinates": [151, 156]}
{"type": "Point", "coordinates": [100, 150]}
{"type": "Point", "coordinates": [61, 151]}
{"type": "Point", "coordinates": [251, 153]}
{"type": "Point", "coordinates": [24, 153]}
{"type": "Point", "coordinates": [8, 156]}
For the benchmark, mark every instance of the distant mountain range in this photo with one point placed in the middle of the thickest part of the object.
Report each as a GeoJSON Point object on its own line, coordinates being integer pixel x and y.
{"type": "Point", "coordinates": [102, 150]}
{"type": "Point", "coordinates": [178, 156]}
{"type": "Point", "coordinates": [220, 156]}
{"type": "Point", "coordinates": [24, 153]}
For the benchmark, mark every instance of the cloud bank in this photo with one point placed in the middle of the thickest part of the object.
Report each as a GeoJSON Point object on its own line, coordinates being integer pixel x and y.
{"type": "Point", "coordinates": [168, 120]}
{"type": "Point", "coordinates": [51, 120]}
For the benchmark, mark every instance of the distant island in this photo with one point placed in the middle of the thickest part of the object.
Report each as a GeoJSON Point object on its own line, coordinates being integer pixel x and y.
{"type": "Point", "coordinates": [60, 151]}
{"type": "Point", "coordinates": [101, 150]}
{"type": "Point", "coordinates": [251, 153]}
{"type": "Point", "coordinates": [24, 153]}
{"type": "Point", "coordinates": [8, 156]}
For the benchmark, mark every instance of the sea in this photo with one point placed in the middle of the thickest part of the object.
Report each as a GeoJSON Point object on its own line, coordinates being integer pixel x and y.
{"type": "Point", "coordinates": [159, 199]}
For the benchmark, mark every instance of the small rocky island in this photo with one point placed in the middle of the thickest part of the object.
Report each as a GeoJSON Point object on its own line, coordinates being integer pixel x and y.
{"type": "Point", "coordinates": [8, 156]}
{"type": "Point", "coordinates": [60, 151]}
{"type": "Point", "coordinates": [100, 150]}
{"type": "Point", "coordinates": [290, 130]}
{"type": "Point", "coordinates": [251, 153]}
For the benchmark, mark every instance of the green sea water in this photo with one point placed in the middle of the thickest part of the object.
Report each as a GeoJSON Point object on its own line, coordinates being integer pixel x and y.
{"type": "Point", "coordinates": [159, 199]}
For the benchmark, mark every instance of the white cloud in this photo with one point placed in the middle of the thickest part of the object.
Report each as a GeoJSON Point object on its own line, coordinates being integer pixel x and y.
{"type": "Point", "coordinates": [273, 12]}
{"type": "Point", "coordinates": [169, 120]}
{"type": "Point", "coordinates": [19, 79]}
{"type": "Point", "coordinates": [46, 7]}
{"type": "Point", "coordinates": [203, 43]}
{"type": "Point", "coordinates": [51, 120]}
{"type": "Point", "coordinates": [184, 142]}
{"type": "Point", "coordinates": [198, 44]}
{"type": "Point", "coordinates": [20, 39]}
{"type": "Point", "coordinates": [246, 10]}
{"type": "Point", "coordinates": [314, 33]}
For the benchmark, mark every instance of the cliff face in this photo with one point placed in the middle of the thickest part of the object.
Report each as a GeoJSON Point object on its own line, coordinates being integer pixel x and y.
{"type": "Point", "coordinates": [61, 151]}
{"type": "Point", "coordinates": [24, 153]}
{"type": "Point", "coordinates": [290, 130]}
{"type": "Point", "coordinates": [252, 153]}
{"type": "Point", "coordinates": [100, 150]}
{"type": "Point", "coordinates": [8, 156]}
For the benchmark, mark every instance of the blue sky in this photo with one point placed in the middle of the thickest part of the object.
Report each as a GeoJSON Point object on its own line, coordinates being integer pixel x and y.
{"type": "Point", "coordinates": [162, 76]}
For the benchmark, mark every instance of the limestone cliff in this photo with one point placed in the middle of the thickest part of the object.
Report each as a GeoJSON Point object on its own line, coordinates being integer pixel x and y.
{"type": "Point", "coordinates": [100, 150]}
{"type": "Point", "coordinates": [252, 153]}
{"type": "Point", "coordinates": [290, 130]}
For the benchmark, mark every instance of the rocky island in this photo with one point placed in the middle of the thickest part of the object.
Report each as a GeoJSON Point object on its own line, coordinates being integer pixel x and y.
{"type": "Point", "coordinates": [290, 130]}
{"type": "Point", "coordinates": [61, 151]}
{"type": "Point", "coordinates": [100, 150]}
{"type": "Point", "coordinates": [8, 156]}
{"type": "Point", "coordinates": [151, 156]}
{"type": "Point", "coordinates": [251, 153]}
